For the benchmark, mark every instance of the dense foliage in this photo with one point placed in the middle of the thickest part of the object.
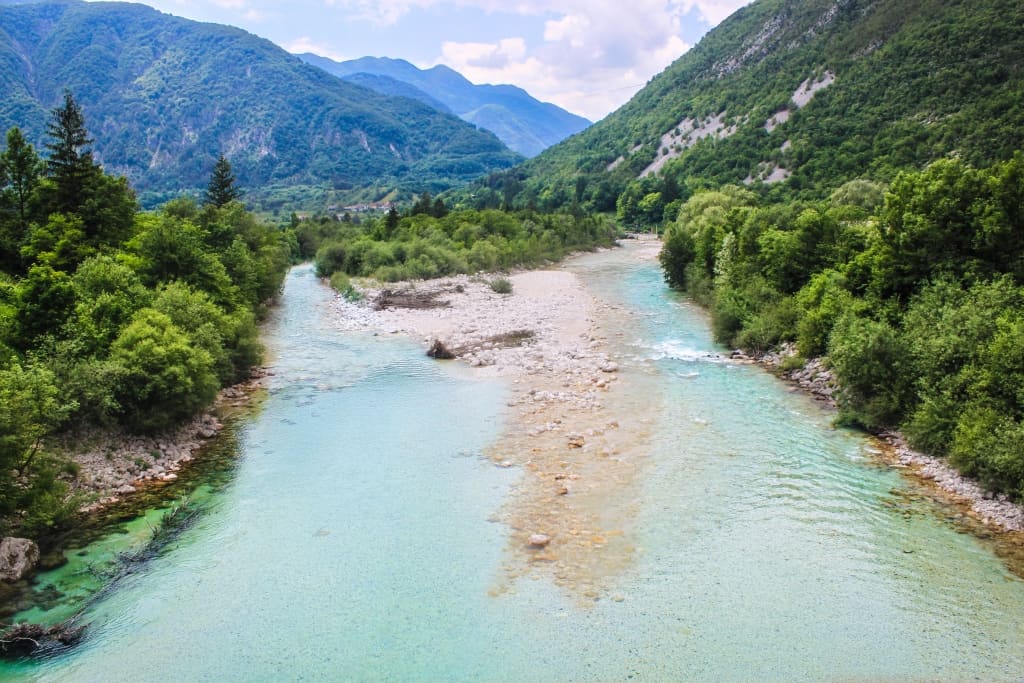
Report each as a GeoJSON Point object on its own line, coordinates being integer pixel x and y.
{"type": "Point", "coordinates": [431, 242]}
{"type": "Point", "coordinates": [109, 316]}
{"type": "Point", "coordinates": [165, 96]}
{"type": "Point", "coordinates": [916, 295]}
{"type": "Point", "coordinates": [915, 80]}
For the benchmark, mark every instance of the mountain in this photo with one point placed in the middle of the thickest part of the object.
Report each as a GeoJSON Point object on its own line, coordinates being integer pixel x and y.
{"type": "Point", "coordinates": [163, 96]}
{"type": "Point", "coordinates": [386, 85]}
{"type": "Point", "coordinates": [523, 123]}
{"type": "Point", "coordinates": [795, 97]}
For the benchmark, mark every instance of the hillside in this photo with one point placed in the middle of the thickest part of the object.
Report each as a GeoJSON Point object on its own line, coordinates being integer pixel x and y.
{"type": "Point", "coordinates": [163, 96]}
{"type": "Point", "coordinates": [523, 123]}
{"type": "Point", "coordinates": [796, 97]}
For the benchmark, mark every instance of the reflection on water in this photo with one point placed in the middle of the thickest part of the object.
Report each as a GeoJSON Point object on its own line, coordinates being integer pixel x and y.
{"type": "Point", "coordinates": [351, 541]}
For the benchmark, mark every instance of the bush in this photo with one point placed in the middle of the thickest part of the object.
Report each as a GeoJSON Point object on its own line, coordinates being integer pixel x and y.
{"type": "Point", "coordinates": [342, 285]}
{"type": "Point", "coordinates": [501, 285]}
{"type": "Point", "coordinates": [990, 446]}
{"type": "Point", "coordinates": [330, 259]}
{"type": "Point", "coordinates": [166, 377]}
{"type": "Point", "coordinates": [869, 360]}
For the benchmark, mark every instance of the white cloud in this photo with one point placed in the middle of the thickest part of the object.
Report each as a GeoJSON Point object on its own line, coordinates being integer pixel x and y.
{"type": "Point", "coordinates": [714, 11]}
{"type": "Point", "coordinates": [305, 44]}
{"type": "Point", "coordinates": [390, 11]}
{"type": "Point", "coordinates": [594, 55]}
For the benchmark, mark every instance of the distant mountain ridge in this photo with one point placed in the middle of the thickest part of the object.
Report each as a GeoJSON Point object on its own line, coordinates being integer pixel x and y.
{"type": "Point", "coordinates": [799, 96]}
{"type": "Point", "coordinates": [163, 96]}
{"type": "Point", "coordinates": [522, 122]}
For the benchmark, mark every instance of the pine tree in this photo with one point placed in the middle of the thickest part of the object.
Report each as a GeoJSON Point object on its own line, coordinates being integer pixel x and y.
{"type": "Point", "coordinates": [422, 205]}
{"type": "Point", "coordinates": [20, 168]}
{"type": "Point", "coordinates": [439, 210]}
{"type": "Point", "coordinates": [391, 222]}
{"type": "Point", "coordinates": [70, 164]}
{"type": "Point", "coordinates": [221, 189]}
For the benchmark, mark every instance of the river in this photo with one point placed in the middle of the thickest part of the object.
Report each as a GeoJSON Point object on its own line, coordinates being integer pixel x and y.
{"type": "Point", "coordinates": [350, 538]}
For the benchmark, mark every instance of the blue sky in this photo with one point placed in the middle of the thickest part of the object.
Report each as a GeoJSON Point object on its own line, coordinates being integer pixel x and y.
{"type": "Point", "coordinates": [587, 56]}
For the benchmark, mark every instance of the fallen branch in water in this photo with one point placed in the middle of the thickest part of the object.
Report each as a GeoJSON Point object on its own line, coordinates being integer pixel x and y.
{"type": "Point", "coordinates": [23, 640]}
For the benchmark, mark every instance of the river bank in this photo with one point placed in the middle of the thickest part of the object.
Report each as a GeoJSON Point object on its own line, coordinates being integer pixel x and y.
{"type": "Point", "coordinates": [113, 465]}
{"type": "Point", "coordinates": [995, 511]}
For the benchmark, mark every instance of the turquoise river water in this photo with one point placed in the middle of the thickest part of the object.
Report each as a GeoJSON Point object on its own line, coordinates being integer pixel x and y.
{"type": "Point", "coordinates": [349, 537]}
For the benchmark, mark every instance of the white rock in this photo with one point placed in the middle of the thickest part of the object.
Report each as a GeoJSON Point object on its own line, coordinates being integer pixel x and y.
{"type": "Point", "coordinates": [539, 540]}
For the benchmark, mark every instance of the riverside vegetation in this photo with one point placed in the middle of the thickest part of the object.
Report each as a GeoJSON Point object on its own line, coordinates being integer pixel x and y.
{"type": "Point", "coordinates": [111, 316]}
{"type": "Point", "coordinates": [915, 294]}
{"type": "Point", "coordinates": [429, 241]}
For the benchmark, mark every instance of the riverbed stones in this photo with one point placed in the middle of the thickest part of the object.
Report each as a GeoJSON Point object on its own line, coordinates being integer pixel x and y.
{"type": "Point", "coordinates": [17, 558]}
{"type": "Point", "coordinates": [539, 540]}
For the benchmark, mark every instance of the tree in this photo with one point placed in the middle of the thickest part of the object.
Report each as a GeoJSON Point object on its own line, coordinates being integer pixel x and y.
{"type": "Point", "coordinates": [440, 210]}
{"type": "Point", "coordinates": [30, 409]}
{"type": "Point", "coordinates": [20, 168]}
{"type": "Point", "coordinates": [45, 300]}
{"type": "Point", "coordinates": [391, 222]}
{"type": "Point", "coordinates": [70, 164]}
{"type": "Point", "coordinates": [221, 189]}
{"type": "Point", "coordinates": [422, 205]}
{"type": "Point", "coordinates": [167, 378]}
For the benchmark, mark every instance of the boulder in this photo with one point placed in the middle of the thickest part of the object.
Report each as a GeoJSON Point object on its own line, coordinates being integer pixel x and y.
{"type": "Point", "coordinates": [17, 558]}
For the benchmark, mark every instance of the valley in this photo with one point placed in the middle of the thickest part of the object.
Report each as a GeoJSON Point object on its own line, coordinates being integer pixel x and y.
{"type": "Point", "coordinates": [352, 367]}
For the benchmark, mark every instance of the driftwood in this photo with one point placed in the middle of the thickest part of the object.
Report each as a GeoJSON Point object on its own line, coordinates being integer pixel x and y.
{"type": "Point", "coordinates": [439, 351]}
{"type": "Point", "coordinates": [505, 340]}
{"type": "Point", "coordinates": [409, 298]}
{"type": "Point", "coordinates": [23, 640]}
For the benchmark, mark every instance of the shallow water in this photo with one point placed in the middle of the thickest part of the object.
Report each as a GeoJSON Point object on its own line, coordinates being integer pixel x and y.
{"type": "Point", "coordinates": [352, 541]}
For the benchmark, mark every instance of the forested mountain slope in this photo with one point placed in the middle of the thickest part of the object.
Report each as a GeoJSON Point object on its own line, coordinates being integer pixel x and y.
{"type": "Point", "coordinates": [523, 123]}
{"type": "Point", "coordinates": [163, 96]}
{"type": "Point", "coordinates": [797, 97]}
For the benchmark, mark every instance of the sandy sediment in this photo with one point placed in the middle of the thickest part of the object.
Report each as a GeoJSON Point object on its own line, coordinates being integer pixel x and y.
{"type": "Point", "coordinates": [570, 513]}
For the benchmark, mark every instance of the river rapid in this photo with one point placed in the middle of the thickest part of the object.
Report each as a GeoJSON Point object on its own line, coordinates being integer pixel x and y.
{"type": "Point", "coordinates": [356, 534]}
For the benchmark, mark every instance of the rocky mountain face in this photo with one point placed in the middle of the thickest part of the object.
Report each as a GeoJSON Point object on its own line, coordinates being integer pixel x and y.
{"type": "Point", "coordinates": [795, 97]}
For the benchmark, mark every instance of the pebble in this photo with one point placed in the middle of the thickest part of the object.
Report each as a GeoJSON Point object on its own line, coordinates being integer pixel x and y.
{"type": "Point", "coordinates": [539, 540]}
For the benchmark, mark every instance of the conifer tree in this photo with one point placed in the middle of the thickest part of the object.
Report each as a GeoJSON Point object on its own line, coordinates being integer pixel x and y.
{"type": "Point", "coordinates": [70, 164]}
{"type": "Point", "coordinates": [20, 168]}
{"type": "Point", "coordinates": [221, 189]}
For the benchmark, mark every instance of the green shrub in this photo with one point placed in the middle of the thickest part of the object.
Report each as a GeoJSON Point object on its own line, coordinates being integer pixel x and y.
{"type": "Point", "coordinates": [870, 362]}
{"type": "Point", "coordinates": [342, 285]}
{"type": "Point", "coordinates": [501, 285]}
{"type": "Point", "coordinates": [990, 446]}
{"type": "Point", "coordinates": [330, 259]}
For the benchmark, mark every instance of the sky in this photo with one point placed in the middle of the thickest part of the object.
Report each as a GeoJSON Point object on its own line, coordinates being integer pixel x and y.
{"type": "Point", "coordinates": [587, 56]}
